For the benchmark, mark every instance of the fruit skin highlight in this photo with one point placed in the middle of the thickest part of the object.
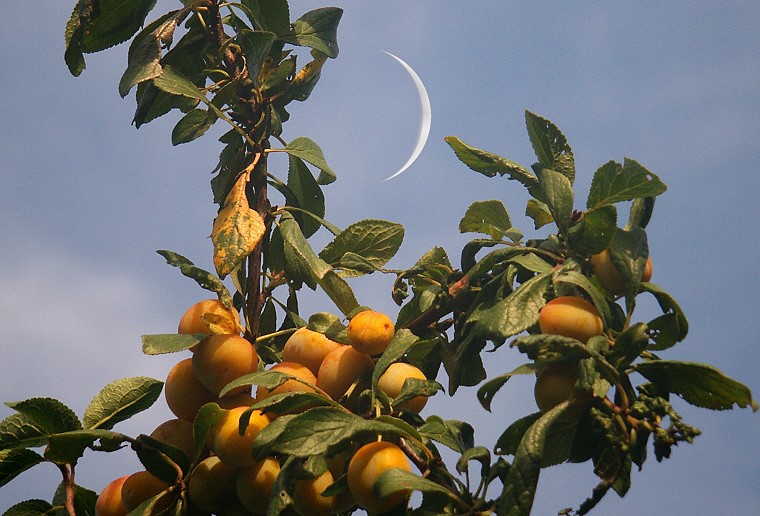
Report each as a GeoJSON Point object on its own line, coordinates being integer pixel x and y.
{"type": "Point", "coordinates": [609, 276]}
{"type": "Point", "coordinates": [225, 440]}
{"type": "Point", "coordinates": [191, 321]}
{"type": "Point", "coordinates": [370, 332]}
{"type": "Point", "coordinates": [555, 384]}
{"type": "Point", "coordinates": [109, 501]}
{"type": "Point", "coordinates": [392, 381]}
{"type": "Point", "coordinates": [365, 467]}
{"type": "Point", "coordinates": [341, 368]}
{"type": "Point", "coordinates": [219, 359]}
{"type": "Point", "coordinates": [570, 316]}
{"type": "Point", "coordinates": [308, 348]}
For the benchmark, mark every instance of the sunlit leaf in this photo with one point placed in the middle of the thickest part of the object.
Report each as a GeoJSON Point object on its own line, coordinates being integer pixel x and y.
{"type": "Point", "coordinates": [121, 400]}
{"type": "Point", "coordinates": [318, 29]}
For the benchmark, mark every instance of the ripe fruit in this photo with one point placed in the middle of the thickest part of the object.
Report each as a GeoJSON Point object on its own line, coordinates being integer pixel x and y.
{"type": "Point", "coordinates": [228, 321]}
{"type": "Point", "coordinates": [307, 495]}
{"type": "Point", "coordinates": [570, 316]}
{"type": "Point", "coordinates": [254, 484]}
{"type": "Point", "coordinates": [236, 400]}
{"type": "Point", "coordinates": [225, 440]}
{"type": "Point", "coordinates": [307, 347]}
{"type": "Point", "coordinates": [609, 276]}
{"type": "Point", "coordinates": [555, 384]}
{"type": "Point", "coordinates": [293, 369]}
{"type": "Point", "coordinates": [184, 393]}
{"type": "Point", "coordinates": [220, 359]}
{"type": "Point", "coordinates": [109, 501]}
{"type": "Point", "coordinates": [140, 487]}
{"type": "Point", "coordinates": [370, 332]}
{"type": "Point", "coordinates": [177, 433]}
{"type": "Point", "coordinates": [212, 484]}
{"type": "Point", "coordinates": [341, 368]}
{"type": "Point", "coordinates": [366, 465]}
{"type": "Point", "coordinates": [392, 381]}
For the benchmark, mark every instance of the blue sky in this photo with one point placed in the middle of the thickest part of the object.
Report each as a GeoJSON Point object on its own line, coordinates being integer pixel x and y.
{"type": "Point", "coordinates": [87, 199]}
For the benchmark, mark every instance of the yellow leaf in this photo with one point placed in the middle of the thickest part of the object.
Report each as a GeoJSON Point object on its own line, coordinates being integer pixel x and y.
{"type": "Point", "coordinates": [237, 230]}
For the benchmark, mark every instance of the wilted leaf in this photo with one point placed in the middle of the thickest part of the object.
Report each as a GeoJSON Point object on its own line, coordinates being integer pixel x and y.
{"type": "Point", "coordinates": [237, 230]}
{"type": "Point", "coordinates": [169, 342]}
{"type": "Point", "coordinates": [205, 279]}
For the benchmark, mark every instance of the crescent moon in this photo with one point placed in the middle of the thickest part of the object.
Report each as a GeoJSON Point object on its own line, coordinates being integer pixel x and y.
{"type": "Point", "coordinates": [425, 119]}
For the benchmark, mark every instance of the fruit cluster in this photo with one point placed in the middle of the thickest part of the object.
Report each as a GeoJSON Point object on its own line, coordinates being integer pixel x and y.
{"type": "Point", "coordinates": [226, 478]}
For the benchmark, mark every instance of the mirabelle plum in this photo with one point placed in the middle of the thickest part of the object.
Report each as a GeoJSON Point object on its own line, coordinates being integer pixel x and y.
{"type": "Point", "coordinates": [191, 321]}
{"type": "Point", "coordinates": [254, 484]}
{"type": "Point", "coordinates": [177, 433]}
{"type": "Point", "coordinates": [225, 440]}
{"type": "Point", "coordinates": [609, 276]}
{"type": "Point", "coordinates": [184, 393]}
{"type": "Point", "coordinates": [231, 401]}
{"type": "Point", "coordinates": [212, 484]}
{"type": "Point", "coordinates": [555, 384]}
{"type": "Point", "coordinates": [341, 368]}
{"type": "Point", "coordinates": [220, 359]}
{"type": "Point", "coordinates": [570, 316]}
{"type": "Point", "coordinates": [337, 465]}
{"type": "Point", "coordinates": [140, 487]}
{"type": "Point", "coordinates": [392, 381]}
{"type": "Point", "coordinates": [307, 495]}
{"type": "Point", "coordinates": [299, 371]}
{"type": "Point", "coordinates": [370, 332]}
{"type": "Point", "coordinates": [309, 348]}
{"type": "Point", "coordinates": [366, 465]}
{"type": "Point", "coordinates": [109, 501]}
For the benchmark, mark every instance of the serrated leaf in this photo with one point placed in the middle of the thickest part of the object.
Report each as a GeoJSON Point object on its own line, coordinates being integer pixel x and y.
{"type": "Point", "coordinates": [614, 183]}
{"type": "Point", "coordinates": [159, 344]}
{"type": "Point", "coordinates": [375, 241]}
{"type": "Point", "coordinates": [15, 461]}
{"type": "Point", "coordinates": [510, 438]}
{"type": "Point", "coordinates": [162, 460]}
{"type": "Point", "coordinates": [489, 217]}
{"type": "Point", "coordinates": [68, 447]}
{"type": "Point", "coordinates": [20, 431]}
{"type": "Point", "coordinates": [558, 194]}
{"type": "Point", "coordinates": [121, 400]}
{"type": "Point", "coordinates": [416, 387]}
{"type": "Point", "coordinates": [33, 507]}
{"type": "Point", "coordinates": [48, 414]}
{"type": "Point", "coordinates": [192, 126]}
{"type": "Point", "coordinates": [488, 390]}
{"type": "Point", "coordinates": [550, 145]}
{"type": "Point", "coordinates": [699, 384]}
{"type": "Point", "coordinates": [318, 29]}
{"type": "Point", "coordinates": [205, 419]}
{"type": "Point", "coordinates": [595, 230]}
{"type": "Point", "coordinates": [237, 230]}
{"type": "Point", "coordinates": [307, 150]}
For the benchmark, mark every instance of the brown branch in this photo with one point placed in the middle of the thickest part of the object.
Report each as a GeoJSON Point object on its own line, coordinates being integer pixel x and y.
{"type": "Point", "coordinates": [68, 479]}
{"type": "Point", "coordinates": [432, 315]}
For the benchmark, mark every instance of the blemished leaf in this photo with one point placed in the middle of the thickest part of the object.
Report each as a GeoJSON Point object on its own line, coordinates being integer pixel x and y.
{"type": "Point", "coordinates": [270, 15]}
{"type": "Point", "coordinates": [68, 447]}
{"type": "Point", "coordinates": [595, 230]}
{"type": "Point", "coordinates": [614, 183]}
{"type": "Point", "coordinates": [488, 390]}
{"type": "Point", "coordinates": [550, 145]}
{"type": "Point", "coordinates": [192, 126]}
{"type": "Point", "coordinates": [159, 344]}
{"type": "Point", "coordinates": [33, 507]}
{"type": "Point", "coordinates": [15, 461]}
{"type": "Point", "coordinates": [121, 400]}
{"type": "Point", "coordinates": [489, 217]}
{"type": "Point", "coordinates": [699, 384]}
{"type": "Point", "coordinates": [558, 194]}
{"type": "Point", "coordinates": [394, 480]}
{"type": "Point", "coordinates": [48, 414]}
{"type": "Point", "coordinates": [237, 230]}
{"type": "Point", "coordinates": [310, 152]}
{"type": "Point", "coordinates": [205, 279]}
{"type": "Point", "coordinates": [96, 26]}
{"type": "Point", "coordinates": [375, 241]}
{"type": "Point", "coordinates": [308, 195]}
{"type": "Point", "coordinates": [669, 306]}
{"type": "Point", "coordinates": [318, 29]}
{"type": "Point", "coordinates": [490, 164]}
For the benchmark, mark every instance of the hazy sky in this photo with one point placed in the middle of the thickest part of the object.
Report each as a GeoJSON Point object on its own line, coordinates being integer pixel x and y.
{"type": "Point", "coordinates": [87, 199]}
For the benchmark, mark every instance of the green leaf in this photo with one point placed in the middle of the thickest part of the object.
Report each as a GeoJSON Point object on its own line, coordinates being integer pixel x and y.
{"type": "Point", "coordinates": [318, 29]}
{"type": "Point", "coordinates": [375, 241]}
{"type": "Point", "coordinates": [628, 346]}
{"type": "Point", "coordinates": [208, 415]}
{"type": "Point", "coordinates": [205, 279]}
{"type": "Point", "coordinates": [160, 344]}
{"type": "Point", "coordinates": [629, 251]}
{"type": "Point", "coordinates": [95, 26]}
{"type": "Point", "coordinates": [68, 447]}
{"type": "Point", "coordinates": [121, 400]}
{"type": "Point", "coordinates": [308, 195]}
{"type": "Point", "coordinates": [488, 390]}
{"type": "Point", "coordinates": [490, 164]}
{"type": "Point", "coordinates": [550, 145]}
{"type": "Point", "coordinates": [539, 212]}
{"type": "Point", "coordinates": [173, 81]}
{"type": "Point", "coordinates": [48, 414]}
{"type": "Point", "coordinates": [269, 15]}
{"type": "Point", "coordinates": [15, 461]}
{"type": "Point", "coordinates": [614, 183]}
{"type": "Point", "coordinates": [399, 345]}
{"type": "Point", "coordinates": [456, 435]}
{"type": "Point", "coordinates": [310, 152]}
{"type": "Point", "coordinates": [595, 230]}
{"type": "Point", "coordinates": [29, 508]}
{"type": "Point", "coordinates": [558, 193]}
{"type": "Point", "coordinates": [256, 46]}
{"type": "Point", "coordinates": [640, 212]}
{"type": "Point", "coordinates": [192, 126]}
{"type": "Point", "coordinates": [84, 499]}
{"type": "Point", "coordinates": [160, 459]}
{"type": "Point", "coordinates": [669, 306]}
{"type": "Point", "coordinates": [415, 387]}
{"type": "Point", "coordinates": [489, 217]}
{"type": "Point", "coordinates": [510, 438]}
{"type": "Point", "coordinates": [699, 384]}
{"type": "Point", "coordinates": [20, 431]}
{"type": "Point", "coordinates": [293, 402]}
{"type": "Point", "coordinates": [395, 480]}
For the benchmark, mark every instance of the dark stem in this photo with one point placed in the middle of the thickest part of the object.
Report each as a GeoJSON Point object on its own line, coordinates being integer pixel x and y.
{"type": "Point", "coordinates": [68, 479]}
{"type": "Point", "coordinates": [256, 293]}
